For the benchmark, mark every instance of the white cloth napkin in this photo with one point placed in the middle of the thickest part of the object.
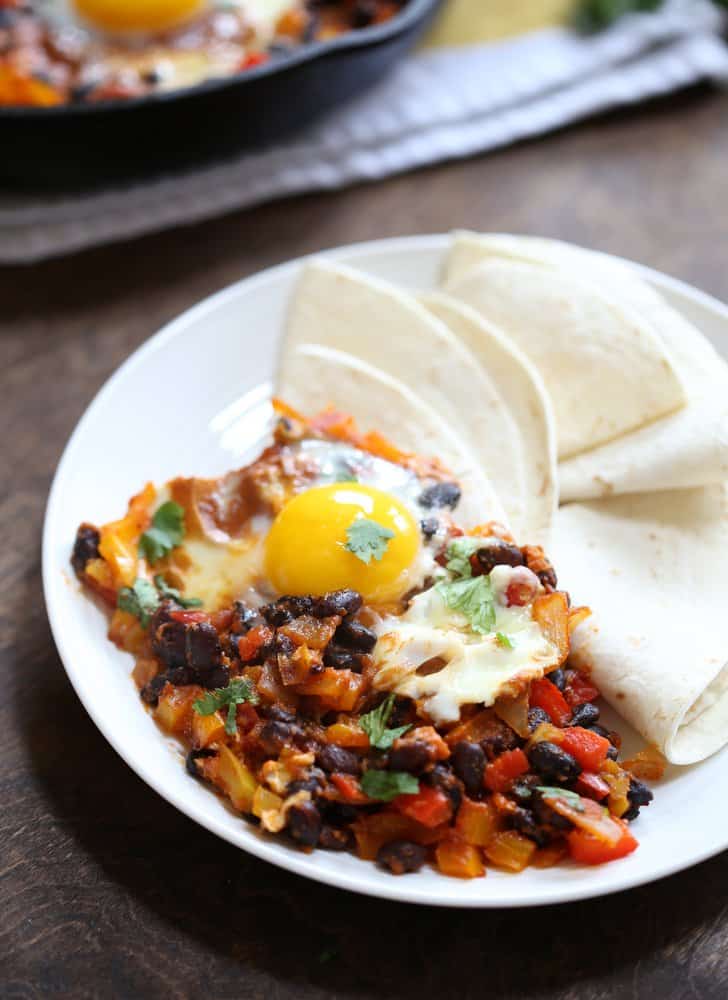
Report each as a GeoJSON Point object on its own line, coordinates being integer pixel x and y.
{"type": "Point", "coordinates": [437, 105]}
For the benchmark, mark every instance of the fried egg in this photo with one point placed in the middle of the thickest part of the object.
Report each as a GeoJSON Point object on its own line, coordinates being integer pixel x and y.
{"type": "Point", "coordinates": [149, 17]}
{"type": "Point", "coordinates": [303, 545]}
{"type": "Point", "coordinates": [431, 653]}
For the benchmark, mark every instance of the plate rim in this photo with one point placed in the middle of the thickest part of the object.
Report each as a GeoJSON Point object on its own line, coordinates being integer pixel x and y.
{"type": "Point", "coordinates": [297, 862]}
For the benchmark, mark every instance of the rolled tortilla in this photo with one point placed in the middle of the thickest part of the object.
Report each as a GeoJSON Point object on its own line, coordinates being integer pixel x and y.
{"type": "Point", "coordinates": [652, 568]}
{"type": "Point", "coordinates": [315, 377]}
{"type": "Point", "coordinates": [606, 370]}
{"type": "Point", "coordinates": [366, 318]}
{"type": "Point", "coordinates": [683, 449]}
{"type": "Point", "coordinates": [525, 396]}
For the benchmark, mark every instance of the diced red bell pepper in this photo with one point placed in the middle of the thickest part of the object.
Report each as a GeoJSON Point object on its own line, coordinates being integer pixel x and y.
{"type": "Point", "coordinates": [587, 748]}
{"type": "Point", "coordinates": [349, 789]}
{"type": "Point", "coordinates": [589, 850]}
{"type": "Point", "coordinates": [545, 695]}
{"type": "Point", "coordinates": [504, 769]}
{"type": "Point", "coordinates": [592, 786]}
{"type": "Point", "coordinates": [187, 617]}
{"type": "Point", "coordinates": [249, 644]}
{"type": "Point", "coordinates": [430, 806]}
{"type": "Point", "coordinates": [579, 690]}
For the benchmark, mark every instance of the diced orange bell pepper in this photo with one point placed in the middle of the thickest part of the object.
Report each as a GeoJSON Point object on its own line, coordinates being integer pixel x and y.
{"type": "Point", "coordinates": [551, 611]}
{"type": "Point", "coordinates": [457, 858]}
{"type": "Point", "coordinates": [249, 644]}
{"type": "Point", "coordinates": [207, 729]}
{"type": "Point", "coordinates": [477, 822]}
{"type": "Point", "coordinates": [510, 850]}
{"type": "Point", "coordinates": [430, 806]}
{"type": "Point", "coordinates": [380, 828]}
{"type": "Point", "coordinates": [345, 734]}
{"type": "Point", "coordinates": [545, 695]}
{"type": "Point", "coordinates": [174, 708]}
{"type": "Point", "coordinates": [590, 850]}
{"type": "Point", "coordinates": [126, 632]}
{"type": "Point", "coordinates": [648, 765]}
{"type": "Point", "coordinates": [504, 769]}
{"type": "Point", "coordinates": [337, 689]}
{"type": "Point", "coordinates": [550, 855]}
{"type": "Point", "coordinates": [587, 748]}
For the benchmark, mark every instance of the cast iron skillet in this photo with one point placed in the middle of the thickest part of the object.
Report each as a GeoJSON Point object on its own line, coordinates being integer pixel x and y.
{"type": "Point", "coordinates": [82, 144]}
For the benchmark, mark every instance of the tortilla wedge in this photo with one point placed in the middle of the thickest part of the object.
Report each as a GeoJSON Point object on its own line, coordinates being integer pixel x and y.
{"type": "Point", "coordinates": [605, 368]}
{"type": "Point", "coordinates": [314, 377]}
{"type": "Point", "coordinates": [651, 566]}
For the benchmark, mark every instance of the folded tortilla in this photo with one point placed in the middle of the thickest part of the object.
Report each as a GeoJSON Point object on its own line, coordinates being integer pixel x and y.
{"type": "Point", "coordinates": [314, 377]}
{"type": "Point", "coordinates": [340, 308]}
{"type": "Point", "coordinates": [605, 368]}
{"type": "Point", "coordinates": [525, 396]}
{"type": "Point", "coordinates": [651, 566]}
{"type": "Point", "coordinates": [686, 448]}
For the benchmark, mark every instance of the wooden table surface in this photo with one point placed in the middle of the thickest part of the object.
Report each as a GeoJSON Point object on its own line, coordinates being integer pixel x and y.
{"type": "Point", "coordinates": [107, 891]}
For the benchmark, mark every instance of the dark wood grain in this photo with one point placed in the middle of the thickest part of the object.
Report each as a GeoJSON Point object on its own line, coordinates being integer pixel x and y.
{"type": "Point", "coordinates": [106, 890]}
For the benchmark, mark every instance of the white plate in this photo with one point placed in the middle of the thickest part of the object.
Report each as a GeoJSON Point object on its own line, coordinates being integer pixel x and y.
{"type": "Point", "coordinates": [193, 400]}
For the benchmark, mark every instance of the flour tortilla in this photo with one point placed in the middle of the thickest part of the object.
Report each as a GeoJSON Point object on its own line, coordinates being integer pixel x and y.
{"type": "Point", "coordinates": [338, 307]}
{"type": "Point", "coordinates": [315, 377]}
{"type": "Point", "coordinates": [605, 368]}
{"type": "Point", "coordinates": [684, 449]}
{"type": "Point", "coordinates": [523, 393]}
{"type": "Point", "coordinates": [652, 568]}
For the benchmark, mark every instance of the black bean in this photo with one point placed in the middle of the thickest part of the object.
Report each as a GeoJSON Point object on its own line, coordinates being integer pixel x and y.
{"type": "Point", "coordinates": [337, 602]}
{"type": "Point", "coordinates": [86, 545]}
{"type": "Point", "coordinates": [412, 756]}
{"type": "Point", "coordinates": [304, 823]}
{"type": "Point", "coordinates": [599, 730]}
{"type": "Point", "coordinates": [443, 778]}
{"type": "Point", "coordinates": [280, 714]}
{"type": "Point", "coordinates": [536, 716]}
{"type": "Point", "coordinates": [545, 816]}
{"type": "Point", "coordinates": [82, 91]}
{"type": "Point", "coordinates": [496, 553]}
{"type": "Point", "coordinates": [339, 813]}
{"type": "Point", "coordinates": [499, 739]}
{"type": "Point", "coordinates": [245, 618]}
{"type": "Point", "coordinates": [401, 856]}
{"type": "Point", "coordinates": [468, 763]}
{"type": "Point", "coordinates": [191, 761]}
{"type": "Point", "coordinates": [526, 823]}
{"type": "Point", "coordinates": [429, 526]}
{"type": "Point", "coordinates": [150, 692]}
{"type": "Point", "coordinates": [612, 753]}
{"type": "Point", "coordinates": [202, 646]}
{"type": "Point", "coordinates": [552, 762]}
{"type": "Point", "coordinates": [639, 795]}
{"type": "Point", "coordinates": [285, 609]}
{"type": "Point", "coordinates": [8, 17]}
{"type": "Point", "coordinates": [341, 659]}
{"type": "Point", "coordinates": [332, 838]}
{"type": "Point", "coordinates": [168, 636]}
{"type": "Point", "coordinates": [584, 715]}
{"type": "Point", "coordinates": [276, 735]}
{"type": "Point", "coordinates": [303, 785]}
{"type": "Point", "coordinates": [522, 790]}
{"type": "Point", "coordinates": [440, 495]}
{"type": "Point", "coordinates": [356, 636]}
{"type": "Point", "coordinates": [333, 758]}
{"type": "Point", "coordinates": [558, 677]}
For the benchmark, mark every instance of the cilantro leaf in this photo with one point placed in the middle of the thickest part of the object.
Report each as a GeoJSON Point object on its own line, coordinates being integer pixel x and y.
{"type": "Point", "coordinates": [140, 600]}
{"type": "Point", "coordinates": [458, 555]}
{"type": "Point", "coordinates": [234, 694]}
{"type": "Point", "coordinates": [166, 591]}
{"type": "Point", "coordinates": [166, 532]}
{"type": "Point", "coordinates": [473, 598]}
{"type": "Point", "coordinates": [374, 724]}
{"type": "Point", "coordinates": [503, 640]}
{"type": "Point", "coordinates": [549, 792]}
{"type": "Point", "coordinates": [387, 785]}
{"type": "Point", "coordinates": [595, 15]}
{"type": "Point", "coordinates": [367, 539]}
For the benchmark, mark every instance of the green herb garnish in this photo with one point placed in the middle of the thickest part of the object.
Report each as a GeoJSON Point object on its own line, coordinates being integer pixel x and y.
{"type": "Point", "coordinates": [473, 598]}
{"type": "Point", "coordinates": [458, 555]}
{"type": "Point", "coordinates": [387, 785]}
{"type": "Point", "coordinates": [234, 694]}
{"type": "Point", "coordinates": [166, 591]}
{"type": "Point", "coordinates": [367, 539]}
{"type": "Point", "coordinates": [166, 532]}
{"type": "Point", "coordinates": [503, 640]}
{"type": "Point", "coordinates": [566, 794]}
{"type": "Point", "coordinates": [140, 600]}
{"type": "Point", "coordinates": [596, 15]}
{"type": "Point", "coordinates": [374, 724]}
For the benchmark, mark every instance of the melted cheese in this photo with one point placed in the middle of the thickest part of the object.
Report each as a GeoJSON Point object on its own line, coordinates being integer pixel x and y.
{"type": "Point", "coordinates": [477, 667]}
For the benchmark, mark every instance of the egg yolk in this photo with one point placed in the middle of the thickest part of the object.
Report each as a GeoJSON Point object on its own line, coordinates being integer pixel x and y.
{"type": "Point", "coordinates": [306, 549]}
{"type": "Point", "coordinates": [137, 15]}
